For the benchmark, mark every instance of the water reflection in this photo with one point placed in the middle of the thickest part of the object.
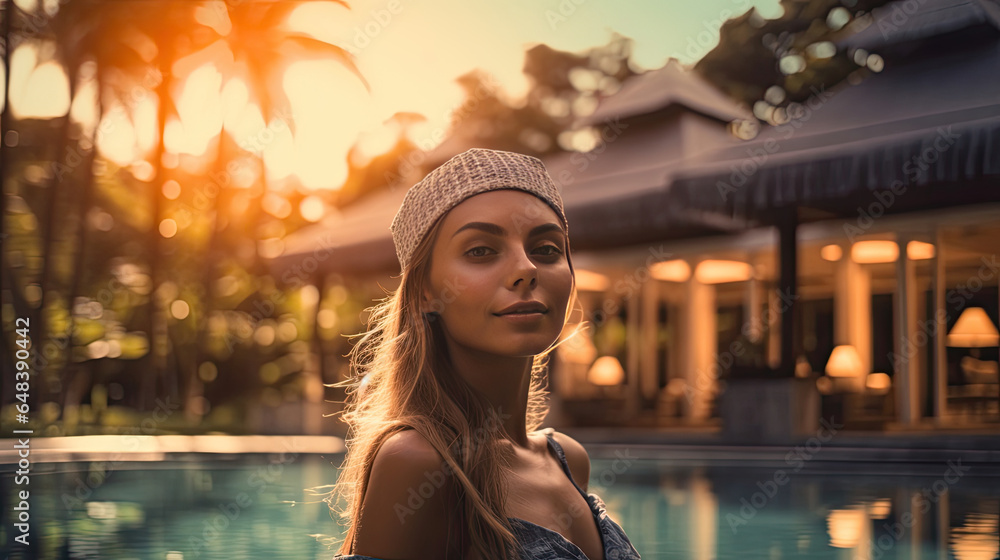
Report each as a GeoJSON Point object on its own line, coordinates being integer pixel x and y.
{"type": "Point", "coordinates": [228, 509]}
{"type": "Point", "coordinates": [977, 538]}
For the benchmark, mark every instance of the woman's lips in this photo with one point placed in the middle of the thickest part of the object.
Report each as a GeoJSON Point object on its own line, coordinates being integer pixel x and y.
{"type": "Point", "coordinates": [522, 318]}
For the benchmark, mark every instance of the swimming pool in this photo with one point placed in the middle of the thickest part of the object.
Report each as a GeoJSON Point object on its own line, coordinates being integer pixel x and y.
{"type": "Point", "coordinates": [186, 509]}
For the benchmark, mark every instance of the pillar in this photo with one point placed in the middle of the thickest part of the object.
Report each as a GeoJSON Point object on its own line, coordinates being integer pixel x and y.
{"type": "Point", "coordinates": [906, 377]}
{"type": "Point", "coordinates": [852, 309]}
{"type": "Point", "coordinates": [633, 351]}
{"type": "Point", "coordinates": [700, 348]}
{"type": "Point", "coordinates": [940, 365]}
{"type": "Point", "coordinates": [649, 385]}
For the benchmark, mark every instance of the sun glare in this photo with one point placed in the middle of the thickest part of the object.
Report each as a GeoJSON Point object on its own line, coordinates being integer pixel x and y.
{"type": "Point", "coordinates": [330, 107]}
{"type": "Point", "coordinates": [200, 108]}
{"type": "Point", "coordinates": [45, 93]}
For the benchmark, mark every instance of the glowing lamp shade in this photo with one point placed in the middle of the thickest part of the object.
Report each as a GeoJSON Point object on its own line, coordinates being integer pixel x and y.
{"type": "Point", "coordinates": [671, 271]}
{"type": "Point", "coordinates": [844, 362]}
{"type": "Point", "coordinates": [587, 281]}
{"type": "Point", "coordinates": [873, 252]}
{"type": "Point", "coordinates": [878, 383]}
{"type": "Point", "coordinates": [831, 253]}
{"type": "Point", "coordinates": [974, 329]}
{"type": "Point", "coordinates": [918, 251]}
{"type": "Point", "coordinates": [880, 509]}
{"type": "Point", "coordinates": [719, 272]}
{"type": "Point", "coordinates": [606, 371]}
{"type": "Point", "coordinates": [846, 526]}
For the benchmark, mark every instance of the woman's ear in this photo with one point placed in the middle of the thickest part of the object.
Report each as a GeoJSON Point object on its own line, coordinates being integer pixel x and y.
{"type": "Point", "coordinates": [427, 302]}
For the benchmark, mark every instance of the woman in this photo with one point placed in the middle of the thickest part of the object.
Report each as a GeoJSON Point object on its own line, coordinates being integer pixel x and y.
{"type": "Point", "coordinates": [444, 460]}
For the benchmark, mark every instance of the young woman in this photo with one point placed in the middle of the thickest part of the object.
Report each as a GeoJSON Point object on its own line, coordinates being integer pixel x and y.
{"type": "Point", "coordinates": [445, 458]}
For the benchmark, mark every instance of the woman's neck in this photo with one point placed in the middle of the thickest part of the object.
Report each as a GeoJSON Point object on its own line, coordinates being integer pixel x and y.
{"type": "Point", "coordinates": [503, 381]}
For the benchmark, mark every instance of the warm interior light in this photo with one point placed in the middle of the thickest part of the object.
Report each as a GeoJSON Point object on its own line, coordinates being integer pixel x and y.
{"type": "Point", "coordinates": [578, 349]}
{"type": "Point", "coordinates": [976, 539]}
{"type": "Point", "coordinates": [587, 281]}
{"type": "Point", "coordinates": [718, 272]}
{"type": "Point", "coordinates": [880, 509]}
{"type": "Point", "coordinates": [845, 526]}
{"type": "Point", "coordinates": [844, 362]}
{"type": "Point", "coordinates": [878, 383]}
{"type": "Point", "coordinates": [974, 329]}
{"type": "Point", "coordinates": [671, 271]}
{"type": "Point", "coordinates": [607, 370]}
{"type": "Point", "coordinates": [831, 253]}
{"type": "Point", "coordinates": [872, 252]}
{"type": "Point", "coordinates": [918, 251]}
{"type": "Point", "coordinates": [824, 385]}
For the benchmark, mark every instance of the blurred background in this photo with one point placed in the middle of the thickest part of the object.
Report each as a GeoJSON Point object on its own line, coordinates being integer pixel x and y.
{"type": "Point", "coordinates": [784, 217]}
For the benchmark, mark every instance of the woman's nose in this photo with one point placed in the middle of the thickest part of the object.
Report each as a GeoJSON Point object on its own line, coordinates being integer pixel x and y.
{"type": "Point", "coordinates": [524, 270]}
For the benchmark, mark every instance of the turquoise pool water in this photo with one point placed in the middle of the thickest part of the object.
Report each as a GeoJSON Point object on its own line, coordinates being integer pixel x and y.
{"type": "Point", "coordinates": [180, 510]}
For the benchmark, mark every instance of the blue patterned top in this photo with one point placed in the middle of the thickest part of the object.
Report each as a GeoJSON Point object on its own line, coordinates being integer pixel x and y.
{"type": "Point", "coordinates": [542, 543]}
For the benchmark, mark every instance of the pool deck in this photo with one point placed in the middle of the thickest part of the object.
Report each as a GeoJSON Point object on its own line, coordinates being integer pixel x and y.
{"type": "Point", "coordinates": [696, 446]}
{"type": "Point", "coordinates": [682, 445]}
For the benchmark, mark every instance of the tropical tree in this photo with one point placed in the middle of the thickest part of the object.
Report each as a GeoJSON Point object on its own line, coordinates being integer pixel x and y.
{"type": "Point", "coordinates": [774, 65]}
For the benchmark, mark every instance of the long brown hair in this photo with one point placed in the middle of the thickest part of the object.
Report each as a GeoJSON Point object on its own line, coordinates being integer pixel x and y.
{"type": "Point", "coordinates": [411, 384]}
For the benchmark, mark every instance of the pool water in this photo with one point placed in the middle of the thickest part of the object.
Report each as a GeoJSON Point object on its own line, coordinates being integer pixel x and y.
{"type": "Point", "coordinates": [178, 510]}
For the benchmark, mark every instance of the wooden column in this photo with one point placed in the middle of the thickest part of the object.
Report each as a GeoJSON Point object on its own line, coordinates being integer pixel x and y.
{"type": "Point", "coordinates": [700, 349]}
{"type": "Point", "coordinates": [788, 288]}
{"type": "Point", "coordinates": [852, 308]}
{"type": "Point", "coordinates": [940, 364]}
{"type": "Point", "coordinates": [649, 383]}
{"type": "Point", "coordinates": [632, 355]}
{"type": "Point", "coordinates": [906, 376]}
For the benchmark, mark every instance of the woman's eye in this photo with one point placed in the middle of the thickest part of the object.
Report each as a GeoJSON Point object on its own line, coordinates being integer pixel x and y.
{"type": "Point", "coordinates": [478, 251]}
{"type": "Point", "coordinates": [549, 250]}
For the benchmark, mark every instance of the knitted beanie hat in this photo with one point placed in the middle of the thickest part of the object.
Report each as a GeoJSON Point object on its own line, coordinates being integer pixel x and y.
{"type": "Point", "coordinates": [469, 173]}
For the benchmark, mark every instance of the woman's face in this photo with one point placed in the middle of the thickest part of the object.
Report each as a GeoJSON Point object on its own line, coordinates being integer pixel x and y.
{"type": "Point", "coordinates": [496, 250]}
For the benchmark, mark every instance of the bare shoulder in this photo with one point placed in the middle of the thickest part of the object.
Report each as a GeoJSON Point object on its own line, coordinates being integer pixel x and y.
{"type": "Point", "coordinates": [576, 456]}
{"type": "Point", "coordinates": [405, 512]}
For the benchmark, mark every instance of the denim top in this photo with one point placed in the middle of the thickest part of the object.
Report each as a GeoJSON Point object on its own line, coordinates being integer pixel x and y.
{"type": "Point", "coordinates": [542, 543]}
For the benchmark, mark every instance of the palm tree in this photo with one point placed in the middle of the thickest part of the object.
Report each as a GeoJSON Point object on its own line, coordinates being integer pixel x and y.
{"type": "Point", "coordinates": [262, 46]}
{"type": "Point", "coordinates": [131, 46]}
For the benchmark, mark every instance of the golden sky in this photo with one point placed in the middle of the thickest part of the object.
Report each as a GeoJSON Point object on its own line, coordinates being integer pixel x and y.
{"type": "Point", "coordinates": [410, 51]}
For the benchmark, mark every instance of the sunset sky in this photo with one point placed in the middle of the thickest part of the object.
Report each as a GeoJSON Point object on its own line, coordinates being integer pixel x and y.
{"type": "Point", "coordinates": [410, 51]}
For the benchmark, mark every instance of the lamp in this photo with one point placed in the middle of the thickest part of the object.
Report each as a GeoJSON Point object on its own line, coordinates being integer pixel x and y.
{"type": "Point", "coordinates": [587, 281]}
{"type": "Point", "coordinates": [844, 370]}
{"type": "Point", "coordinates": [606, 371]}
{"type": "Point", "coordinates": [974, 329]}
{"type": "Point", "coordinates": [844, 362]}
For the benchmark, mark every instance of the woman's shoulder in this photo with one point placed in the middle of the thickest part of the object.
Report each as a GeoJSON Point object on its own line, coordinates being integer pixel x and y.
{"type": "Point", "coordinates": [407, 500]}
{"type": "Point", "coordinates": [407, 444]}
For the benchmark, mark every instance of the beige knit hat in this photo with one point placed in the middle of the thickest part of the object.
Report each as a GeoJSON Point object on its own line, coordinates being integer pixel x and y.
{"type": "Point", "coordinates": [469, 173]}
